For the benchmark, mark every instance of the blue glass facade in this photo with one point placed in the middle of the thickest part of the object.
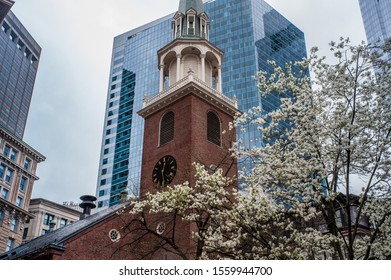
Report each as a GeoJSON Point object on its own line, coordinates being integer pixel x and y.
{"type": "Point", "coordinates": [250, 33]}
{"type": "Point", "coordinates": [19, 57]}
{"type": "Point", "coordinates": [376, 15]}
{"type": "Point", "coordinates": [134, 74]}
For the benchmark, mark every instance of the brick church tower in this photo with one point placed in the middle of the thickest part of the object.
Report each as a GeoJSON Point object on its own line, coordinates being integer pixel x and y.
{"type": "Point", "coordinates": [188, 120]}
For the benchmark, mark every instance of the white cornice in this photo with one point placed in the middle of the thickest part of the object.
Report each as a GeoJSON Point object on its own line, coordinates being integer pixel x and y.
{"type": "Point", "coordinates": [188, 85]}
{"type": "Point", "coordinates": [21, 145]}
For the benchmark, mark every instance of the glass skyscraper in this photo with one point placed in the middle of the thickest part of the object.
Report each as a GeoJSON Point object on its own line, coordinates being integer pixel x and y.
{"type": "Point", "coordinates": [376, 15]}
{"type": "Point", "coordinates": [250, 33]}
{"type": "Point", "coordinates": [19, 58]}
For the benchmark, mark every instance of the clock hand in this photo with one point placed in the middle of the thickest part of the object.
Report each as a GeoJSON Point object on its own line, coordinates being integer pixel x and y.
{"type": "Point", "coordinates": [163, 168]}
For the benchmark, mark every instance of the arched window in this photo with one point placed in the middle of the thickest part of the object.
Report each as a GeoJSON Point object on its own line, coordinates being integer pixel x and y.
{"type": "Point", "coordinates": [214, 131]}
{"type": "Point", "coordinates": [167, 128]}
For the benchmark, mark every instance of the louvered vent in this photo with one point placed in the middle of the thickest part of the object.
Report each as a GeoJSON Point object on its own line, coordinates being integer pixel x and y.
{"type": "Point", "coordinates": [214, 134]}
{"type": "Point", "coordinates": [167, 128]}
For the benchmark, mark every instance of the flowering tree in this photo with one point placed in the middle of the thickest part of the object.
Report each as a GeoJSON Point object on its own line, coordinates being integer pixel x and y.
{"type": "Point", "coordinates": [327, 140]}
{"type": "Point", "coordinates": [196, 206]}
{"type": "Point", "coordinates": [320, 186]}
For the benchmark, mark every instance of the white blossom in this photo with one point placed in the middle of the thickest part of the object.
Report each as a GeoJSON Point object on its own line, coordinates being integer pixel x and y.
{"type": "Point", "coordinates": [298, 200]}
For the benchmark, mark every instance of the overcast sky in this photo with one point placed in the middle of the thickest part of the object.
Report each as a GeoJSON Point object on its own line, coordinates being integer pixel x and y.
{"type": "Point", "coordinates": [66, 116]}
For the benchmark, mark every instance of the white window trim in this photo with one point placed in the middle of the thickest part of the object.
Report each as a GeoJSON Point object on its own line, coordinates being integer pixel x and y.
{"type": "Point", "coordinates": [114, 235]}
{"type": "Point", "coordinates": [188, 23]}
{"type": "Point", "coordinates": [204, 32]}
{"type": "Point", "coordinates": [178, 26]}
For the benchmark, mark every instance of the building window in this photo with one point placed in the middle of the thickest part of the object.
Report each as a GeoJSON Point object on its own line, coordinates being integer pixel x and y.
{"type": "Point", "coordinates": [178, 27]}
{"type": "Point", "coordinates": [203, 30]}
{"type": "Point", "coordinates": [14, 224]}
{"type": "Point", "coordinates": [25, 231]}
{"type": "Point", "coordinates": [8, 176]}
{"type": "Point", "coordinates": [19, 201]}
{"type": "Point", "coordinates": [4, 193]}
{"type": "Point", "coordinates": [27, 163]}
{"type": "Point", "coordinates": [213, 129]}
{"type": "Point", "coordinates": [114, 235]}
{"type": "Point", "coordinates": [23, 184]}
{"type": "Point", "coordinates": [63, 222]}
{"type": "Point", "coordinates": [14, 155]}
{"type": "Point", "coordinates": [10, 244]}
{"type": "Point", "coordinates": [1, 216]}
{"type": "Point", "coordinates": [190, 28]}
{"type": "Point", "coordinates": [6, 150]}
{"type": "Point", "coordinates": [47, 219]}
{"type": "Point", "coordinates": [10, 152]}
{"type": "Point", "coordinates": [44, 231]}
{"type": "Point", "coordinates": [2, 171]}
{"type": "Point", "coordinates": [103, 203]}
{"type": "Point", "coordinates": [167, 128]}
{"type": "Point", "coordinates": [7, 172]}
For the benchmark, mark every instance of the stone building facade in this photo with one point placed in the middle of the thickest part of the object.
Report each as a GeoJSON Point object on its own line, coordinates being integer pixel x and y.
{"type": "Point", "coordinates": [18, 166]}
{"type": "Point", "coordinates": [48, 216]}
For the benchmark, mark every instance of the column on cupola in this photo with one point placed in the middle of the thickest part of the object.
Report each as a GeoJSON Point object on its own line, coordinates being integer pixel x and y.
{"type": "Point", "coordinates": [161, 84]}
{"type": "Point", "coordinates": [178, 67]}
{"type": "Point", "coordinates": [219, 79]}
{"type": "Point", "coordinates": [203, 67]}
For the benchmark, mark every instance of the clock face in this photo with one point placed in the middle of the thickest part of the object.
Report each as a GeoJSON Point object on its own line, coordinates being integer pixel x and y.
{"type": "Point", "coordinates": [164, 171]}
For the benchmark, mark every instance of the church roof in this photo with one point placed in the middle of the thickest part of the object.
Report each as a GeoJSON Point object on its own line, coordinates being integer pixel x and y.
{"type": "Point", "coordinates": [185, 5]}
{"type": "Point", "coordinates": [57, 238]}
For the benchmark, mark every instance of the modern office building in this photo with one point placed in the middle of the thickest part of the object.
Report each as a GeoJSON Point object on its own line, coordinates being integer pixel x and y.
{"type": "Point", "coordinates": [249, 32]}
{"type": "Point", "coordinates": [19, 58]}
{"type": "Point", "coordinates": [376, 16]}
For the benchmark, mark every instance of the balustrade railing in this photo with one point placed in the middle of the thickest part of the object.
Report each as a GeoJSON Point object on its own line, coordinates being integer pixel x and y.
{"type": "Point", "coordinates": [184, 81]}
